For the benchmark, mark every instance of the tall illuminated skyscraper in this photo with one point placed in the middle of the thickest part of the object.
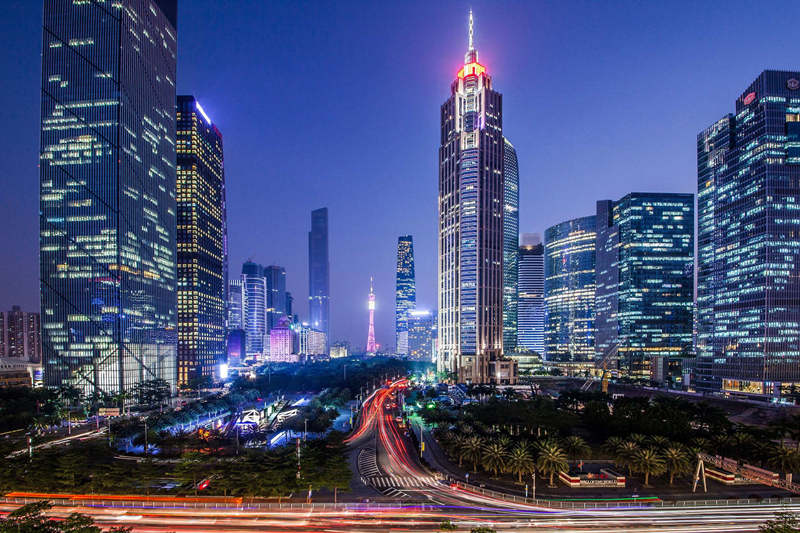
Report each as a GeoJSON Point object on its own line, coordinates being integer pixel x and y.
{"type": "Point", "coordinates": [107, 194]}
{"type": "Point", "coordinates": [510, 246]}
{"type": "Point", "coordinates": [255, 311]}
{"type": "Point", "coordinates": [406, 291]}
{"type": "Point", "coordinates": [471, 198]}
{"type": "Point", "coordinates": [530, 319]}
{"type": "Point", "coordinates": [748, 293]}
{"type": "Point", "coordinates": [276, 295]}
{"type": "Point", "coordinates": [319, 272]}
{"type": "Point", "coordinates": [372, 346]}
{"type": "Point", "coordinates": [201, 242]}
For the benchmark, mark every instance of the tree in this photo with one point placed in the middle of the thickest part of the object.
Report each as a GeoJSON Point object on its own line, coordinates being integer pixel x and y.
{"type": "Point", "coordinates": [520, 462]}
{"type": "Point", "coordinates": [494, 457]}
{"type": "Point", "coordinates": [676, 461]}
{"type": "Point", "coordinates": [575, 447]}
{"type": "Point", "coordinates": [783, 458]}
{"type": "Point", "coordinates": [552, 459]}
{"type": "Point", "coordinates": [625, 455]}
{"type": "Point", "coordinates": [31, 519]}
{"type": "Point", "coordinates": [473, 447]}
{"type": "Point", "coordinates": [648, 462]}
{"type": "Point", "coordinates": [784, 522]}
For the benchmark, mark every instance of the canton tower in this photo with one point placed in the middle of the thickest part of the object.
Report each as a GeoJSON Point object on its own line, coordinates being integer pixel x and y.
{"type": "Point", "coordinates": [470, 270]}
{"type": "Point", "coordinates": [372, 348]}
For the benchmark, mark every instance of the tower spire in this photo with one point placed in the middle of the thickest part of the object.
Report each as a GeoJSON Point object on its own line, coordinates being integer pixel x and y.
{"type": "Point", "coordinates": [372, 346]}
{"type": "Point", "coordinates": [471, 47]}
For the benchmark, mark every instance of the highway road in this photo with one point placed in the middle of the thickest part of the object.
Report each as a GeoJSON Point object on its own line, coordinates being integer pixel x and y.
{"type": "Point", "coordinates": [387, 461]}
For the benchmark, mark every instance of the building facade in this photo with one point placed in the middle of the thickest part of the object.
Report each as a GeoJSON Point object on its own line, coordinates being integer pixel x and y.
{"type": "Point", "coordinates": [569, 287]}
{"type": "Point", "coordinates": [20, 335]}
{"type": "Point", "coordinates": [276, 295]}
{"type": "Point", "coordinates": [405, 291]}
{"type": "Point", "coordinates": [510, 245]}
{"type": "Point", "coordinates": [422, 336]}
{"type": "Point", "coordinates": [645, 279]}
{"type": "Point", "coordinates": [254, 284]}
{"type": "Point", "coordinates": [236, 303]}
{"type": "Point", "coordinates": [748, 294]}
{"type": "Point", "coordinates": [201, 243]}
{"type": "Point", "coordinates": [107, 194]}
{"type": "Point", "coordinates": [530, 316]}
{"type": "Point", "coordinates": [280, 343]}
{"type": "Point", "coordinates": [319, 271]}
{"type": "Point", "coordinates": [471, 197]}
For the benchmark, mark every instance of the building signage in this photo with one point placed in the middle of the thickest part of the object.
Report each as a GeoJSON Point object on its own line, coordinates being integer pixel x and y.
{"type": "Point", "coordinates": [793, 84]}
{"type": "Point", "coordinates": [747, 100]}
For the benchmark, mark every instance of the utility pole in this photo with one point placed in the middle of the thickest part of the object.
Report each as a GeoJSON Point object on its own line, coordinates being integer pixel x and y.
{"type": "Point", "coordinates": [534, 483]}
{"type": "Point", "coordinates": [145, 437]}
{"type": "Point", "coordinates": [305, 428]}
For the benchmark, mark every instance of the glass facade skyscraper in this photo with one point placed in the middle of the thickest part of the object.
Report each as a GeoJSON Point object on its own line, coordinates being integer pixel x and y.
{"type": "Point", "coordinates": [254, 284]}
{"type": "Point", "coordinates": [645, 278]}
{"type": "Point", "coordinates": [201, 243]}
{"type": "Point", "coordinates": [530, 317]}
{"type": "Point", "coordinates": [319, 272]}
{"type": "Point", "coordinates": [569, 286]}
{"type": "Point", "coordinates": [748, 170]}
{"type": "Point", "coordinates": [510, 245]}
{"type": "Point", "coordinates": [107, 194]}
{"type": "Point", "coordinates": [471, 198]}
{"type": "Point", "coordinates": [421, 335]}
{"type": "Point", "coordinates": [276, 295]}
{"type": "Point", "coordinates": [406, 291]}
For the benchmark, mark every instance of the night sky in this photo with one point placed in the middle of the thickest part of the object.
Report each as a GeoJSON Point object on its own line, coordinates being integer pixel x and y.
{"type": "Point", "coordinates": [337, 104]}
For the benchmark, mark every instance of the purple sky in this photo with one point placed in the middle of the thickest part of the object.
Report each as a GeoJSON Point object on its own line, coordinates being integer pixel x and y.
{"type": "Point", "coordinates": [337, 103]}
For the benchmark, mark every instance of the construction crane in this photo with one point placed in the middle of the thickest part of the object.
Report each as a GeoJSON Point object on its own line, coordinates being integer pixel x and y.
{"type": "Point", "coordinates": [603, 364]}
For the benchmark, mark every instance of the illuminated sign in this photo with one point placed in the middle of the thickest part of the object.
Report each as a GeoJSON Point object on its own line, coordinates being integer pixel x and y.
{"type": "Point", "coordinates": [200, 109]}
{"type": "Point", "coordinates": [747, 100]}
{"type": "Point", "coordinates": [793, 84]}
{"type": "Point", "coordinates": [471, 69]}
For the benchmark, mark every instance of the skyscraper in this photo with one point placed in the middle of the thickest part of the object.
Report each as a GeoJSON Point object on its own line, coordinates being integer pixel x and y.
{"type": "Point", "coordinates": [20, 335]}
{"type": "Point", "coordinates": [645, 280]}
{"type": "Point", "coordinates": [406, 291]}
{"type": "Point", "coordinates": [530, 318]}
{"type": "Point", "coordinates": [421, 335]}
{"type": "Point", "coordinates": [201, 242]}
{"type": "Point", "coordinates": [276, 295]}
{"type": "Point", "coordinates": [236, 303]}
{"type": "Point", "coordinates": [510, 245]}
{"type": "Point", "coordinates": [107, 194]}
{"type": "Point", "coordinates": [748, 285]}
{"type": "Point", "coordinates": [471, 196]}
{"type": "Point", "coordinates": [319, 272]}
{"type": "Point", "coordinates": [372, 346]}
{"type": "Point", "coordinates": [569, 285]}
{"type": "Point", "coordinates": [255, 312]}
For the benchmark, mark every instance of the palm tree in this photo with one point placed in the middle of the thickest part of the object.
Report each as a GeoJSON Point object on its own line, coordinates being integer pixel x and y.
{"type": "Point", "coordinates": [473, 446]}
{"type": "Point", "coordinates": [504, 441]}
{"type": "Point", "coordinates": [676, 461]}
{"type": "Point", "coordinates": [552, 459]}
{"type": "Point", "coordinates": [612, 445]}
{"type": "Point", "coordinates": [520, 461]}
{"type": "Point", "coordinates": [647, 461]}
{"type": "Point", "coordinates": [659, 442]}
{"type": "Point", "coordinates": [459, 442]}
{"type": "Point", "coordinates": [637, 438]}
{"type": "Point", "coordinates": [783, 458]}
{"type": "Point", "coordinates": [494, 456]}
{"type": "Point", "coordinates": [625, 455]}
{"type": "Point", "coordinates": [575, 447]}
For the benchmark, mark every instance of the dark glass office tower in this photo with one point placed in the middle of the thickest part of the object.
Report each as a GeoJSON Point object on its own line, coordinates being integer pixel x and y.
{"type": "Point", "coordinates": [107, 194]}
{"type": "Point", "coordinates": [510, 245]}
{"type": "Point", "coordinates": [254, 287]}
{"type": "Point", "coordinates": [749, 292]}
{"type": "Point", "coordinates": [530, 319]}
{"type": "Point", "coordinates": [276, 295]}
{"type": "Point", "coordinates": [405, 292]}
{"type": "Point", "coordinates": [201, 243]}
{"type": "Point", "coordinates": [319, 272]}
{"type": "Point", "coordinates": [645, 278]}
{"type": "Point", "coordinates": [471, 197]}
{"type": "Point", "coordinates": [569, 286]}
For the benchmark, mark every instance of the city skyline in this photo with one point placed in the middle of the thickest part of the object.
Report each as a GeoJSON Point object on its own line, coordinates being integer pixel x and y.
{"type": "Point", "coordinates": [706, 104]}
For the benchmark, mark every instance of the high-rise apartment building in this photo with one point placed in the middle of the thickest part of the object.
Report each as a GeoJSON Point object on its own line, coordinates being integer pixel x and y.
{"type": "Point", "coordinates": [510, 245]}
{"type": "Point", "coordinates": [569, 286]}
{"type": "Point", "coordinates": [645, 279]}
{"type": "Point", "coordinates": [201, 243]}
{"type": "Point", "coordinates": [319, 272]}
{"type": "Point", "coordinates": [20, 335]}
{"type": "Point", "coordinates": [107, 194]}
{"type": "Point", "coordinates": [421, 336]}
{"type": "Point", "coordinates": [530, 314]}
{"type": "Point", "coordinates": [471, 199]}
{"type": "Point", "coordinates": [748, 279]}
{"type": "Point", "coordinates": [405, 293]}
{"type": "Point", "coordinates": [254, 284]}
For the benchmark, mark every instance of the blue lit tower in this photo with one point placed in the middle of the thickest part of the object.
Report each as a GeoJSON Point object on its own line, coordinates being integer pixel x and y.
{"type": "Point", "coordinates": [107, 194]}
{"type": "Point", "coordinates": [406, 291]}
{"type": "Point", "coordinates": [470, 284]}
{"type": "Point", "coordinates": [276, 295]}
{"type": "Point", "coordinates": [319, 272]}
{"type": "Point", "coordinates": [510, 245]}
{"type": "Point", "coordinates": [645, 280]}
{"type": "Point", "coordinates": [530, 318]}
{"type": "Point", "coordinates": [569, 287]}
{"type": "Point", "coordinates": [254, 285]}
{"type": "Point", "coordinates": [748, 246]}
{"type": "Point", "coordinates": [201, 243]}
